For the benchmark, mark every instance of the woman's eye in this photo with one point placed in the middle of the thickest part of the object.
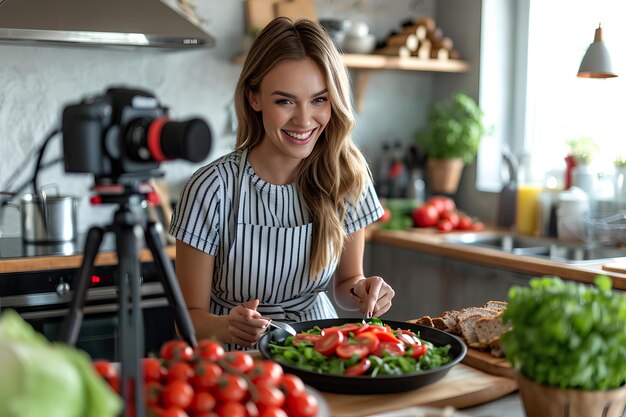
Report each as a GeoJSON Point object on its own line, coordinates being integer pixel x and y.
{"type": "Point", "coordinates": [283, 101]}
{"type": "Point", "coordinates": [320, 100]}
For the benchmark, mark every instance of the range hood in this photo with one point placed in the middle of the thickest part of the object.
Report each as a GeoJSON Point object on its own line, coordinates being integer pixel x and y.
{"type": "Point", "coordinates": [106, 23]}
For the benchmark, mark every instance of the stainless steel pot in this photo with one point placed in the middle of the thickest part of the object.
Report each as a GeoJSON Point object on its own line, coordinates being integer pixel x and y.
{"type": "Point", "coordinates": [51, 219]}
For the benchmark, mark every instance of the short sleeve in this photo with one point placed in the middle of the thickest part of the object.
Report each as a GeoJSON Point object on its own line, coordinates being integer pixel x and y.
{"type": "Point", "coordinates": [366, 210]}
{"type": "Point", "coordinates": [197, 217]}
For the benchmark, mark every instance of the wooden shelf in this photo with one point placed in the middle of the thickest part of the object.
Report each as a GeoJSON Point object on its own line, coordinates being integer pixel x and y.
{"type": "Point", "coordinates": [365, 64]}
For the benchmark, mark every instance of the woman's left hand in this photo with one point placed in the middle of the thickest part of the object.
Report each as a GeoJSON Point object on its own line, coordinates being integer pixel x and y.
{"type": "Point", "coordinates": [373, 296]}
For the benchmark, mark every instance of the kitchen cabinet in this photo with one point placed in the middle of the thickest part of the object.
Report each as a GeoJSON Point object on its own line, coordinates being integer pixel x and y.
{"type": "Point", "coordinates": [364, 65]}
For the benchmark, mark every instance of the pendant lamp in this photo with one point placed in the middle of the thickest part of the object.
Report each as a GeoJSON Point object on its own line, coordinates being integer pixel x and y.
{"type": "Point", "coordinates": [596, 63]}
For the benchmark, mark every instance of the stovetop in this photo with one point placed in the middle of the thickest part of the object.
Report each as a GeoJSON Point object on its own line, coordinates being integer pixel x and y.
{"type": "Point", "coordinates": [15, 247]}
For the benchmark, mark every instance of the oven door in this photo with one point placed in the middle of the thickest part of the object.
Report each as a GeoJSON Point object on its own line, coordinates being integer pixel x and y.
{"type": "Point", "coordinates": [99, 333]}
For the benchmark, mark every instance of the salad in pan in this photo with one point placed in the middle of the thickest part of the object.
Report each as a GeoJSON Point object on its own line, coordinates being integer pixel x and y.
{"type": "Point", "coordinates": [367, 349]}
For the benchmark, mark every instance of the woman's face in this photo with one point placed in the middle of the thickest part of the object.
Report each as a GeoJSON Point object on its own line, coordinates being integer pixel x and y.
{"type": "Point", "coordinates": [295, 107]}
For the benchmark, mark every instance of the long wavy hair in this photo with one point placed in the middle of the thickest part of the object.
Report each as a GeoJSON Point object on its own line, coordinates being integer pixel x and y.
{"type": "Point", "coordinates": [335, 173]}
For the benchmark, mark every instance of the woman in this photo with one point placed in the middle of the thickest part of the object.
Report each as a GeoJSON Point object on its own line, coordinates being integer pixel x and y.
{"type": "Point", "coordinates": [261, 231]}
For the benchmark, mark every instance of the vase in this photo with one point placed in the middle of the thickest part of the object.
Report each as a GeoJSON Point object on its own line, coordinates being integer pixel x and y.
{"type": "Point", "coordinates": [584, 178]}
{"type": "Point", "coordinates": [543, 401]}
{"type": "Point", "coordinates": [444, 175]}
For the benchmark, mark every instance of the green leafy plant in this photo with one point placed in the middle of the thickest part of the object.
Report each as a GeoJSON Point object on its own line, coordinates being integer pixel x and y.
{"type": "Point", "coordinates": [620, 161]}
{"type": "Point", "coordinates": [454, 129]}
{"type": "Point", "coordinates": [567, 335]}
{"type": "Point", "coordinates": [583, 149]}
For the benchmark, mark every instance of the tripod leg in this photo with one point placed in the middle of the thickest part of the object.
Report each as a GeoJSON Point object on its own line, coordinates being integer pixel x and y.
{"type": "Point", "coordinates": [170, 285]}
{"type": "Point", "coordinates": [71, 326]}
{"type": "Point", "coordinates": [130, 314]}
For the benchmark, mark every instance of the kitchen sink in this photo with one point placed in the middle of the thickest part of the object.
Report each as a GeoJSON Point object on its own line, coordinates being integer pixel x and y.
{"type": "Point", "coordinates": [548, 248]}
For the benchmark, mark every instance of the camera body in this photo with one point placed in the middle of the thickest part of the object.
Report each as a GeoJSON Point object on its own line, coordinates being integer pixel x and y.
{"type": "Point", "coordinates": [126, 132]}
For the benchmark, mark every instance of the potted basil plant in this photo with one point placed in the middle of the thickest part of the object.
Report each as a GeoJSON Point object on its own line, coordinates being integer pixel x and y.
{"type": "Point", "coordinates": [567, 342]}
{"type": "Point", "coordinates": [450, 140]}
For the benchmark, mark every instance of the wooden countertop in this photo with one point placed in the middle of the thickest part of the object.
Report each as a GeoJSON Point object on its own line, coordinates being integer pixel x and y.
{"type": "Point", "coordinates": [430, 241]}
{"type": "Point", "coordinates": [40, 263]}
{"type": "Point", "coordinates": [423, 240]}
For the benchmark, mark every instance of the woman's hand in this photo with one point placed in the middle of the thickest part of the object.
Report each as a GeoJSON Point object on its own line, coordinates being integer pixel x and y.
{"type": "Point", "coordinates": [245, 324]}
{"type": "Point", "coordinates": [373, 296]}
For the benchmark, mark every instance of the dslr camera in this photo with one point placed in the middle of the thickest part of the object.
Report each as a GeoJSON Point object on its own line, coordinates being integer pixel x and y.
{"type": "Point", "coordinates": [127, 133]}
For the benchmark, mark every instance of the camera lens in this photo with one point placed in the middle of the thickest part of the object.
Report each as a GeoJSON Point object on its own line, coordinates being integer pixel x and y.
{"type": "Point", "coordinates": [161, 139]}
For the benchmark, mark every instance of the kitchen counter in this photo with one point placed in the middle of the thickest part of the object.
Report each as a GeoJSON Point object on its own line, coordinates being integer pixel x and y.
{"type": "Point", "coordinates": [432, 242]}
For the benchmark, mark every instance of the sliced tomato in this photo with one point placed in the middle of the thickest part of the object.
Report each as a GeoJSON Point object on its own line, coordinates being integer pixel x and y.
{"type": "Point", "coordinates": [354, 328]}
{"type": "Point", "coordinates": [368, 339]}
{"type": "Point", "coordinates": [346, 350]}
{"type": "Point", "coordinates": [410, 341]}
{"type": "Point", "coordinates": [327, 344]}
{"type": "Point", "coordinates": [418, 351]}
{"type": "Point", "coordinates": [306, 337]}
{"type": "Point", "coordinates": [385, 336]}
{"type": "Point", "coordinates": [359, 368]}
{"type": "Point", "coordinates": [377, 327]}
{"type": "Point", "coordinates": [394, 349]}
{"type": "Point", "coordinates": [330, 330]}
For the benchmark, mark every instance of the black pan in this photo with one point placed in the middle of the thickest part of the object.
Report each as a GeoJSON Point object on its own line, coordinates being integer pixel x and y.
{"type": "Point", "coordinates": [381, 384]}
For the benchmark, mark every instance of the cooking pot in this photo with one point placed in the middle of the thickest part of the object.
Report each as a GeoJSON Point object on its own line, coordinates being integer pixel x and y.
{"type": "Point", "coordinates": [48, 219]}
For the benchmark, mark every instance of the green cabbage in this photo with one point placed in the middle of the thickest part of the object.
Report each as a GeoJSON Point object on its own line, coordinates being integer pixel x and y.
{"type": "Point", "coordinates": [39, 378]}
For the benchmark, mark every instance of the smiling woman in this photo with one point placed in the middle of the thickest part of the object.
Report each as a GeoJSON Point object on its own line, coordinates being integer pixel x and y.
{"type": "Point", "coordinates": [261, 232]}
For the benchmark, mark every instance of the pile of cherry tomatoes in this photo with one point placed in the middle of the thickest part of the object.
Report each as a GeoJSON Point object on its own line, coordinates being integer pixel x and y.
{"type": "Point", "coordinates": [441, 212]}
{"type": "Point", "coordinates": [206, 381]}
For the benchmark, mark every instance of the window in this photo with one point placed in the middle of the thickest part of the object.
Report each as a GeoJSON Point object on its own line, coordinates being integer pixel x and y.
{"type": "Point", "coordinates": [549, 104]}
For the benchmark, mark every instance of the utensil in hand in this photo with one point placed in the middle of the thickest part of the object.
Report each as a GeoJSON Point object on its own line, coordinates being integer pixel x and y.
{"type": "Point", "coordinates": [366, 316]}
{"type": "Point", "coordinates": [283, 331]}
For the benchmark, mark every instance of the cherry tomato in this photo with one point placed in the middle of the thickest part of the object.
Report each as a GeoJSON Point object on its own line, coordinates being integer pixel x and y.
{"type": "Point", "coordinates": [425, 215]}
{"type": "Point", "coordinates": [153, 369]}
{"type": "Point", "coordinates": [206, 376]}
{"type": "Point", "coordinates": [368, 339]}
{"type": "Point", "coordinates": [239, 360]}
{"type": "Point", "coordinates": [386, 217]}
{"type": "Point", "coordinates": [273, 412]}
{"type": "Point", "coordinates": [291, 384]}
{"type": "Point", "coordinates": [231, 387]}
{"type": "Point", "coordinates": [393, 349]}
{"type": "Point", "coordinates": [209, 349]}
{"type": "Point", "coordinates": [251, 409]}
{"type": "Point", "coordinates": [306, 337]}
{"type": "Point", "coordinates": [359, 368]}
{"type": "Point", "coordinates": [465, 222]}
{"type": "Point", "coordinates": [180, 370]}
{"type": "Point", "coordinates": [266, 370]}
{"type": "Point", "coordinates": [302, 405]}
{"type": "Point", "coordinates": [347, 349]}
{"type": "Point", "coordinates": [418, 351]}
{"type": "Point", "coordinates": [445, 225]}
{"type": "Point", "coordinates": [327, 344]}
{"type": "Point", "coordinates": [176, 350]}
{"type": "Point", "coordinates": [452, 216]}
{"type": "Point", "coordinates": [268, 396]}
{"type": "Point", "coordinates": [478, 226]}
{"type": "Point", "coordinates": [442, 203]}
{"type": "Point", "coordinates": [202, 402]}
{"type": "Point", "coordinates": [152, 392]}
{"type": "Point", "coordinates": [231, 409]}
{"type": "Point", "coordinates": [173, 412]}
{"type": "Point", "coordinates": [109, 372]}
{"type": "Point", "coordinates": [177, 394]}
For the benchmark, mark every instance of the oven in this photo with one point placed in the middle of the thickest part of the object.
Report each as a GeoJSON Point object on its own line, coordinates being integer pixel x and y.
{"type": "Point", "coordinates": [42, 298]}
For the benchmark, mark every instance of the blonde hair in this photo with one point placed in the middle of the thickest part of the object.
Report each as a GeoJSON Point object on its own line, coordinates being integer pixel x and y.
{"type": "Point", "coordinates": [335, 173]}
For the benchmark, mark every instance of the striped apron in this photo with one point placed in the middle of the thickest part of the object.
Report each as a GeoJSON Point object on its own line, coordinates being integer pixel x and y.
{"type": "Point", "coordinates": [269, 263]}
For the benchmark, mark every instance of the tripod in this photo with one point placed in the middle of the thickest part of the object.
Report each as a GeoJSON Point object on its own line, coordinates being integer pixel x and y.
{"type": "Point", "coordinates": [127, 228]}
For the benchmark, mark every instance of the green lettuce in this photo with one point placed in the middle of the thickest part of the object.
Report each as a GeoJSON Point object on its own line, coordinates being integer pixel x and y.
{"type": "Point", "coordinates": [39, 378]}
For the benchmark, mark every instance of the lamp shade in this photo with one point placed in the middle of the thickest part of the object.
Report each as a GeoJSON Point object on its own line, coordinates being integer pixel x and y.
{"type": "Point", "coordinates": [596, 63]}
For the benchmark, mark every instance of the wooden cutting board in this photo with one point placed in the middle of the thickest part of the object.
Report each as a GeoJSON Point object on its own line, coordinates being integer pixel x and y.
{"type": "Point", "coordinates": [617, 266]}
{"type": "Point", "coordinates": [463, 386]}
{"type": "Point", "coordinates": [488, 363]}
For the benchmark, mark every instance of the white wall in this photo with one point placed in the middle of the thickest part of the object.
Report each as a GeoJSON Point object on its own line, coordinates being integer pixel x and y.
{"type": "Point", "coordinates": [37, 82]}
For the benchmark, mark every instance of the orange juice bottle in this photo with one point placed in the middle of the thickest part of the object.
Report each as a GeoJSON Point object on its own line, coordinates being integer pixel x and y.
{"type": "Point", "coordinates": [527, 201]}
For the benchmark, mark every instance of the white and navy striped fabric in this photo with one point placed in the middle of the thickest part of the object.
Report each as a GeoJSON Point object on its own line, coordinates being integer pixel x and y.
{"type": "Point", "coordinates": [260, 235]}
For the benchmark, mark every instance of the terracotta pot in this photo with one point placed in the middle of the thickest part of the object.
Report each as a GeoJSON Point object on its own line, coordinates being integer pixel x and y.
{"type": "Point", "coordinates": [543, 401]}
{"type": "Point", "coordinates": [444, 175]}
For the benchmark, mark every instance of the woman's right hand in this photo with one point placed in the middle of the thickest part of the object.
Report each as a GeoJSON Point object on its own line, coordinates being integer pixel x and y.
{"type": "Point", "coordinates": [246, 325]}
